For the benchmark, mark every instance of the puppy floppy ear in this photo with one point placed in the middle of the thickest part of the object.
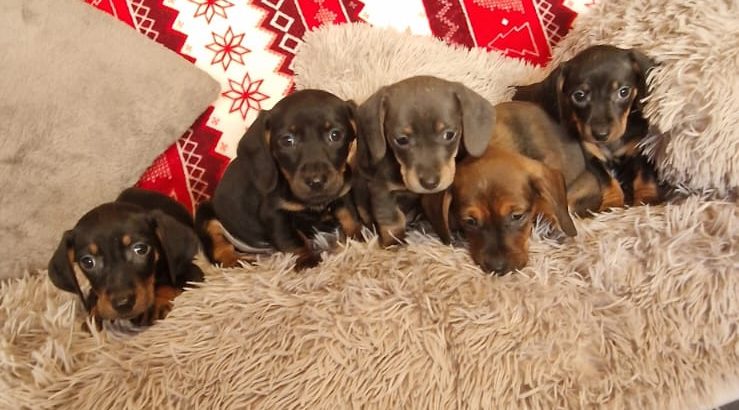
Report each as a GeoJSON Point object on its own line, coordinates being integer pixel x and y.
{"type": "Point", "coordinates": [478, 119]}
{"type": "Point", "coordinates": [436, 208]}
{"type": "Point", "coordinates": [641, 64]}
{"type": "Point", "coordinates": [546, 93]}
{"type": "Point", "coordinates": [559, 100]}
{"type": "Point", "coordinates": [61, 268]}
{"type": "Point", "coordinates": [351, 109]}
{"type": "Point", "coordinates": [179, 244]}
{"type": "Point", "coordinates": [371, 118]}
{"type": "Point", "coordinates": [551, 192]}
{"type": "Point", "coordinates": [254, 150]}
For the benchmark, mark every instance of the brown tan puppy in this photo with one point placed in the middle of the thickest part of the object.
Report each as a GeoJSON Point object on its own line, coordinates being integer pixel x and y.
{"type": "Point", "coordinates": [531, 167]}
{"type": "Point", "coordinates": [413, 133]}
{"type": "Point", "coordinates": [597, 95]}
{"type": "Point", "coordinates": [136, 252]}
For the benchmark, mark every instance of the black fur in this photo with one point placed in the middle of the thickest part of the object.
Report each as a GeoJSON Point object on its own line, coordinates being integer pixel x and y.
{"type": "Point", "coordinates": [156, 225]}
{"type": "Point", "coordinates": [597, 96]}
{"type": "Point", "coordinates": [290, 170]}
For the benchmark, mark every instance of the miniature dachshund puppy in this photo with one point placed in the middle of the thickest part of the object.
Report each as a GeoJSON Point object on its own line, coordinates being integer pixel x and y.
{"type": "Point", "coordinates": [289, 178]}
{"type": "Point", "coordinates": [531, 167]}
{"type": "Point", "coordinates": [413, 133]}
{"type": "Point", "coordinates": [137, 254]}
{"type": "Point", "coordinates": [597, 95]}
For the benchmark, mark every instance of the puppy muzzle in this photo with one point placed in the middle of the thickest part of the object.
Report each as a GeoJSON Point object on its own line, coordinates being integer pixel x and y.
{"type": "Point", "coordinates": [317, 183]}
{"type": "Point", "coordinates": [428, 181]}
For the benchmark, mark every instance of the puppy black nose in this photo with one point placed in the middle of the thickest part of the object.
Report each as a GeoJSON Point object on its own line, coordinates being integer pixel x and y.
{"type": "Point", "coordinates": [601, 133]}
{"type": "Point", "coordinates": [430, 182]}
{"type": "Point", "coordinates": [123, 303]}
{"type": "Point", "coordinates": [316, 182]}
{"type": "Point", "coordinates": [497, 266]}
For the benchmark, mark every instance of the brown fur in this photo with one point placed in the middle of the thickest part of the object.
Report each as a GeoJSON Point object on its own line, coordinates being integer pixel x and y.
{"type": "Point", "coordinates": [163, 298]}
{"type": "Point", "coordinates": [223, 251]}
{"type": "Point", "coordinates": [528, 169]}
{"type": "Point", "coordinates": [349, 225]}
{"type": "Point", "coordinates": [613, 196]}
{"type": "Point", "coordinates": [495, 200]}
{"type": "Point", "coordinates": [144, 300]}
{"type": "Point", "coordinates": [646, 191]}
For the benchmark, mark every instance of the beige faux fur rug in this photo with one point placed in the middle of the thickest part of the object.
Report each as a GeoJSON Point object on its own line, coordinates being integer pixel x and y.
{"type": "Point", "coordinates": [639, 311]}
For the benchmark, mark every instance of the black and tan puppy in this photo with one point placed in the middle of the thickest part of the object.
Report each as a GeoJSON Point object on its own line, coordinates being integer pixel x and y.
{"type": "Point", "coordinates": [531, 167]}
{"type": "Point", "coordinates": [598, 96]}
{"type": "Point", "coordinates": [413, 132]}
{"type": "Point", "coordinates": [290, 176]}
{"type": "Point", "coordinates": [136, 252]}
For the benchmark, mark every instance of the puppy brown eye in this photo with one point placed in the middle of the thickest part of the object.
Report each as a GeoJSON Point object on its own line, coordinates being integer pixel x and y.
{"type": "Point", "coordinates": [449, 135]}
{"type": "Point", "coordinates": [402, 140]}
{"type": "Point", "coordinates": [578, 96]}
{"type": "Point", "coordinates": [140, 248]}
{"type": "Point", "coordinates": [335, 135]}
{"type": "Point", "coordinates": [287, 141]}
{"type": "Point", "coordinates": [624, 92]}
{"type": "Point", "coordinates": [87, 262]}
{"type": "Point", "coordinates": [518, 217]}
{"type": "Point", "coordinates": [470, 222]}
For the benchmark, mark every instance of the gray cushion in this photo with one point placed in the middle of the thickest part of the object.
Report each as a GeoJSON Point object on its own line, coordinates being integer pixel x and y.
{"type": "Point", "coordinates": [86, 104]}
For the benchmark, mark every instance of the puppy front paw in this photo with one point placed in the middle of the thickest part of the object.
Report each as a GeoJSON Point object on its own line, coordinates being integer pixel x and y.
{"type": "Point", "coordinates": [646, 192]}
{"type": "Point", "coordinates": [393, 234]}
{"type": "Point", "coordinates": [226, 255]}
{"type": "Point", "coordinates": [355, 234]}
{"type": "Point", "coordinates": [613, 196]}
{"type": "Point", "coordinates": [307, 258]}
{"type": "Point", "coordinates": [390, 237]}
{"type": "Point", "coordinates": [161, 310]}
{"type": "Point", "coordinates": [163, 297]}
{"type": "Point", "coordinates": [350, 226]}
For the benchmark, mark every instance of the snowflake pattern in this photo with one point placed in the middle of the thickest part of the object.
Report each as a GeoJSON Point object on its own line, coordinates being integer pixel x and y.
{"type": "Point", "coordinates": [211, 8]}
{"type": "Point", "coordinates": [227, 48]}
{"type": "Point", "coordinates": [324, 15]}
{"type": "Point", "coordinates": [245, 96]}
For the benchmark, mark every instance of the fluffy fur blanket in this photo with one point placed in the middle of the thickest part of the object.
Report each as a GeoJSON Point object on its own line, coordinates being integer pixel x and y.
{"type": "Point", "coordinates": [639, 310]}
